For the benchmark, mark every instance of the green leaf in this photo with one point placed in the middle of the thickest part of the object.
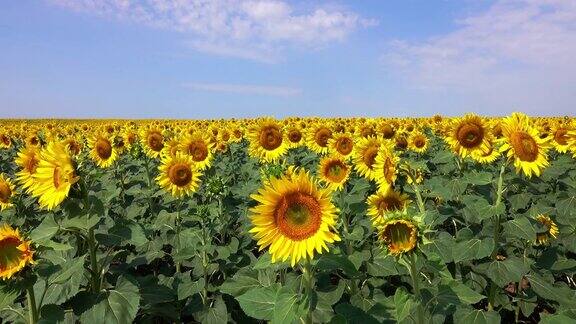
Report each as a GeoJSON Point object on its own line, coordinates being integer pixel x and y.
{"type": "Point", "coordinates": [472, 249]}
{"type": "Point", "coordinates": [239, 284]}
{"type": "Point", "coordinates": [330, 262]}
{"type": "Point", "coordinates": [506, 271]}
{"type": "Point", "coordinates": [45, 231]}
{"type": "Point", "coordinates": [63, 283]}
{"type": "Point", "coordinates": [188, 287]}
{"type": "Point", "coordinates": [285, 306]}
{"type": "Point", "coordinates": [441, 247]}
{"type": "Point", "coordinates": [520, 227]}
{"type": "Point", "coordinates": [547, 290]}
{"type": "Point", "coordinates": [117, 306]}
{"type": "Point", "coordinates": [352, 314]}
{"type": "Point", "coordinates": [259, 302]}
{"type": "Point", "coordinates": [455, 292]}
{"type": "Point", "coordinates": [478, 178]}
{"type": "Point", "coordinates": [404, 304]}
{"type": "Point", "coordinates": [7, 296]}
{"type": "Point", "coordinates": [215, 314]}
{"type": "Point", "coordinates": [50, 314]}
{"type": "Point", "coordinates": [467, 315]}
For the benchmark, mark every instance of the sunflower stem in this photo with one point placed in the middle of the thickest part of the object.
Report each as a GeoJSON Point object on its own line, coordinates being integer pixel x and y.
{"type": "Point", "coordinates": [421, 205]}
{"type": "Point", "coordinates": [93, 261]}
{"type": "Point", "coordinates": [308, 276]}
{"type": "Point", "coordinates": [416, 287]}
{"type": "Point", "coordinates": [177, 225]}
{"type": "Point", "coordinates": [32, 309]}
{"type": "Point", "coordinates": [497, 223]}
{"type": "Point", "coordinates": [149, 177]}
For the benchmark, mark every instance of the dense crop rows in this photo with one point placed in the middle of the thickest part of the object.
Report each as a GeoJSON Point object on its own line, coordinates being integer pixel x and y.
{"type": "Point", "coordinates": [366, 220]}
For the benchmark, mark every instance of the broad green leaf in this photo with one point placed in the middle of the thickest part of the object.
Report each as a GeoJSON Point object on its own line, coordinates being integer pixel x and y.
{"type": "Point", "coordinates": [116, 306]}
{"type": "Point", "coordinates": [404, 304]}
{"type": "Point", "coordinates": [510, 270]}
{"type": "Point", "coordinates": [217, 313]}
{"type": "Point", "coordinates": [547, 290]}
{"type": "Point", "coordinates": [472, 249]}
{"type": "Point", "coordinates": [520, 227]}
{"type": "Point", "coordinates": [63, 284]}
{"type": "Point", "coordinates": [285, 306]}
{"type": "Point", "coordinates": [337, 262]}
{"type": "Point", "coordinates": [351, 314]}
{"type": "Point", "coordinates": [239, 284]}
{"type": "Point", "coordinates": [475, 316]}
{"type": "Point", "coordinates": [259, 302]}
{"type": "Point", "coordinates": [45, 231]}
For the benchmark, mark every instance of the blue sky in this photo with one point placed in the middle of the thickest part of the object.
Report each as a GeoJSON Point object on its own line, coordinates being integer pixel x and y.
{"type": "Point", "coordinates": [235, 58]}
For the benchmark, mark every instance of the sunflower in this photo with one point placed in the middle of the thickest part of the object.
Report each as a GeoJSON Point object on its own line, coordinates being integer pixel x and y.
{"type": "Point", "coordinates": [102, 150]}
{"type": "Point", "coordinates": [172, 147]}
{"type": "Point", "coordinates": [199, 148]}
{"type": "Point", "coordinates": [341, 144]}
{"type": "Point", "coordinates": [523, 144]}
{"type": "Point", "coordinates": [6, 192]}
{"type": "Point", "coordinates": [54, 176]}
{"type": "Point", "coordinates": [551, 230]}
{"type": "Point", "coordinates": [293, 217]}
{"type": "Point", "coordinates": [294, 135]}
{"type": "Point", "coordinates": [384, 202]}
{"type": "Point", "coordinates": [399, 234]}
{"type": "Point", "coordinates": [365, 152]}
{"type": "Point", "coordinates": [33, 140]}
{"type": "Point", "coordinates": [318, 137]}
{"type": "Point", "coordinates": [418, 142]}
{"type": "Point", "coordinates": [15, 253]}
{"type": "Point", "coordinates": [267, 140]}
{"type": "Point", "coordinates": [178, 175]}
{"type": "Point", "coordinates": [27, 160]}
{"type": "Point", "coordinates": [467, 134]}
{"type": "Point", "coordinates": [561, 138]}
{"type": "Point", "coordinates": [152, 138]}
{"type": "Point", "coordinates": [385, 167]}
{"type": "Point", "coordinates": [5, 141]}
{"type": "Point", "coordinates": [334, 171]}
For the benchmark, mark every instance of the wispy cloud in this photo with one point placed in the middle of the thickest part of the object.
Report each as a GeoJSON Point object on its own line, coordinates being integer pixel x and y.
{"type": "Point", "coordinates": [245, 89]}
{"type": "Point", "coordinates": [238, 28]}
{"type": "Point", "coordinates": [518, 52]}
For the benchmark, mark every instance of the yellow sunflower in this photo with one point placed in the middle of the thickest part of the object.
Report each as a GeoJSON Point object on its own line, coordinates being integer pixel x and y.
{"type": "Point", "coordinates": [199, 148]}
{"type": "Point", "coordinates": [54, 176]}
{"type": "Point", "coordinates": [467, 134]}
{"type": "Point", "coordinates": [6, 192]}
{"type": "Point", "coordinates": [267, 141]}
{"type": "Point", "coordinates": [5, 141]}
{"type": "Point", "coordinates": [399, 234]}
{"type": "Point", "coordinates": [294, 135]}
{"type": "Point", "coordinates": [385, 167]}
{"type": "Point", "coordinates": [102, 150]}
{"type": "Point", "coordinates": [488, 155]}
{"type": "Point", "coordinates": [341, 144]}
{"type": "Point", "coordinates": [365, 152]}
{"type": "Point", "coordinates": [293, 217]}
{"type": "Point", "coordinates": [15, 253]}
{"type": "Point", "coordinates": [523, 144]}
{"type": "Point", "coordinates": [172, 147]}
{"type": "Point", "coordinates": [334, 171]}
{"type": "Point", "coordinates": [152, 138]}
{"type": "Point", "coordinates": [318, 137]}
{"type": "Point", "coordinates": [178, 175]}
{"type": "Point", "coordinates": [27, 160]}
{"type": "Point", "coordinates": [384, 202]}
{"type": "Point", "coordinates": [418, 142]}
{"type": "Point", "coordinates": [561, 138]}
{"type": "Point", "coordinates": [551, 230]}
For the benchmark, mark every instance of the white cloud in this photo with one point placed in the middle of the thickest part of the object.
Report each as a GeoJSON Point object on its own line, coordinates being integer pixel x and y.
{"type": "Point", "coordinates": [518, 52]}
{"type": "Point", "coordinates": [233, 27]}
{"type": "Point", "coordinates": [246, 89]}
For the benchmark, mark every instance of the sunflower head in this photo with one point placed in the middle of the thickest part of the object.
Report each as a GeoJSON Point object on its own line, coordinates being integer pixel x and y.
{"type": "Point", "coordinates": [267, 140]}
{"type": "Point", "coordinates": [198, 147]}
{"type": "Point", "coordinates": [178, 175]}
{"type": "Point", "coordinates": [152, 138]}
{"type": "Point", "coordinates": [467, 134]}
{"type": "Point", "coordinates": [384, 203]}
{"type": "Point", "coordinates": [294, 217]}
{"type": "Point", "coordinates": [102, 150]}
{"type": "Point", "coordinates": [418, 142]}
{"type": "Point", "coordinates": [334, 171]}
{"type": "Point", "coordinates": [365, 155]}
{"type": "Point", "coordinates": [318, 137]}
{"type": "Point", "coordinates": [550, 230]}
{"type": "Point", "coordinates": [15, 253]}
{"type": "Point", "coordinates": [386, 167]}
{"type": "Point", "coordinates": [400, 235]}
{"type": "Point", "coordinates": [6, 192]}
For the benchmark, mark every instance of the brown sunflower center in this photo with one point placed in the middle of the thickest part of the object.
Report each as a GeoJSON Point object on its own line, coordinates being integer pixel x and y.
{"type": "Point", "coordinates": [470, 135]}
{"type": "Point", "coordinates": [198, 150]}
{"type": "Point", "coordinates": [525, 147]}
{"type": "Point", "coordinates": [5, 192]}
{"type": "Point", "coordinates": [369, 156]}
{"type": "Point", "coordinates": [31, 164]}
{"type": "Point", "coordinates": [103, 148]}
{"type": "Point", "coordinates": [270, 138]}
{"type": "Point", "coordinates": [389, 169]}
{"type": "Point", "coordinates": [389, 203]}
{"type": "Point", "coordinates": [336, 171]}
{"type": "Point", "coordinates": [294, 136]}
{"type": "Point", "coordinates": [387, 131]}
{"type": "Point", "coordinates": [344, 145]}
{"type": "Point", "coordinates": [322, 136]}
{"type": "Point", "coordinates": [155, 141]}
{"type": "Point", "coordinates": [367, 131]}
{"type": "Point", "coordinates": [180, 174]}
{"type": "Point", "coordinates": [10, 255]}
{"type": "Point", "coordinates": [419, 142]}
{"type": "Point", "coordinates": [5, 140]}
{"type": "Point", "coordinates": [298, 216]}
{"type": "Point", "coordinates": [561, 136]}
{"type": "Point", "coordinates": [34, 140]}
{"type": "Point", "coordinates": [399, 236]}
{"type": "Point", "coordinates": [401, 142]}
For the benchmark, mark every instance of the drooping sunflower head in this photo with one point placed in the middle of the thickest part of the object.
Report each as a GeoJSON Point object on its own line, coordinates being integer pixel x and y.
{"type": "Point", "coordinates": [6, 192]}
{"type": "Point", "coordinates": [385, 202]}
{"type": "Point", "coordinates": [172, 147]}
{"type": "Point", "coordinates": [102, 150]}
{"type": "Point", "coordinates": [400, 235]}
{"type": "Point", "coordinates": [560, 138]}
{"type": "Point", "coordinates": [550, 230]}
{"type": "Point", "coordinates": [199, 148]}
{"type": "Point", "coordinates": [15, 252]}
{"type": "Point", "coordinates": [523, 145]}
{"type": "Point", "coordinates": [365, 152]}
{"type": "Point", "coordinates": [334, 171]}
{"type": "Point", "coordinates": [318, 137]}
{"type": "Point", "coordinates": [386, 167]}
{"type": "Point", "coordinates": [178, 175]}
{"type": "Point", "coordinates": [152, 138]}
{"type": "Point", "coordinates": [418, 142]}
{"type": "Point", "coordinates": [341, 144]}
{"type": "Point", "coordinates": [294, 217]}
{"type": "Point", "coordinates": [488, 155]}
{"type": "Point", "coordinates": [27, 161]}
{"type": "Point", "coordinates": [267, 141]}
{"type": "Point", "coordinates": [467, 134]}
{"type": "Point", "coordinates": [55, 175]}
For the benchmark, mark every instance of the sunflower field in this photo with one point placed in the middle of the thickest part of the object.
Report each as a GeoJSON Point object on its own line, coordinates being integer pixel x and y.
{"type": "Point", "coordinates": [465, 219]}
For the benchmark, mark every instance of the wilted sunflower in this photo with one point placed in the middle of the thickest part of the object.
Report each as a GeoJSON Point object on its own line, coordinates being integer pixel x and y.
{"type": "Point", "coordinates": [334, 171]}
{"type": "Point", "coordinates": [27, 160]}
{"type": "Point", "coordinates": [384, 202]}
{"type": "Point", "coordinates": [318, 137]}
{"type": "Point", "coordinates": [294, 217]}
{"type": "Point", "coordinates": [152, 138]}
{"type": "Point", "coordinates": [178, 175]}
{"type": "Point", "coordinates": [418, 142]}
{"type": "Point", "coordinates": [399, 234]}
{"type": "Point", "coordinates": [467, 134]}
{"type": "Point", "coordinates": [6, 192]}
{"type": "Point", "coordinates": [15, 253]}
{"type": "Point", "coordinates": [551, 230]}
{"type": "Point", "coordinates": [102, 150]}
{"type": "Point", "coordinates": [54, 176]}
{"type": "Point", "coordinates": [385, 167]}
{"type": "Point", "coordinates": [197, 146]}
{"type": "Point", "coordinates": [365, 152]}
{"type": "Point", "coordinates": [523, 144]}
{"type": "Point", "coordinates": [267, 140]}
{"type": "Point", "coordinates": [341, 144]}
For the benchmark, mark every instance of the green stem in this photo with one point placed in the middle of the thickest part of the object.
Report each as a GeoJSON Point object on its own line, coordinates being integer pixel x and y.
{"type": "Point", "coordinates": [416, 287]}
{"type": "Point", "coordinates": [308, 277]}
{"type": "Point", "coordinates": [497, 223]}
{"type": "Point", "coordinates": [93, 261]}
{"type": "Point", "coordinates": [421, 205]}
{"type": "Point", "coordinates": [204, 265]}
{"type": "Point", "coordinates": [149, 177]}
{"type": "Point", "coordinates": [349, 251]}
{"type": "Point", "coordinates": [177, 225]}
{"type": "Point", "coordinates": [32, 309]}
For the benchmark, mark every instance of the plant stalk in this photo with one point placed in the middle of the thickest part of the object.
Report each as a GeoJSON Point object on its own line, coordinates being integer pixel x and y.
{"type": "Point", "coordinates": [32, 309]}
{"type": "Point", "coordinates": [416, 287]}
{"type": "Point", "coordinates": [496, 236]}
{"type": "Point", "coordinates": [308, 286]}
